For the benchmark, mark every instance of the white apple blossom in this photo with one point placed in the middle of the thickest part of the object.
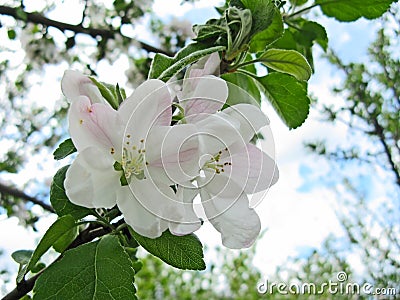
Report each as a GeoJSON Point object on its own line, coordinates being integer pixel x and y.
{"type": "Point", "coordinates": [131, 157]}
{"type": "Point", "coordinates": [231, 167]}
{"type": "Point", "coordinates": [236, 170]}
{"type": "Point", "coordinates": [40, 48]}
{"type": "Point", "coordinates": [202, 92]}
{"type": "Point", "coordinates": [121, 158]}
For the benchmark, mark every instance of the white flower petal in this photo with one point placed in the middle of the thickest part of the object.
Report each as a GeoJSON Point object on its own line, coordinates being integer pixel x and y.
{"type": "Point", "coordinates": [238, 224]}
{"type": "Point", "coordinates": [250, 168]}
{"type": "Point", "coordinates": [202, 96]}
{"type": "Point", "coordinates": [94, 125]}
{"type": "Point", "coordinates": [75, 84]}
{"type": "Point", "coordinates": [139, 218]}
{"type": "Point", "coordinates": [220, 185]}
{"type": "Point", "coordinates": [190, 222]}
{"type": "Point", "coordinates": [157, 203]}
{"type": "Point", "coordinates": [251, 119]}
{"type": "Point", "coordinates": [216, 132]}
{"type": "Point", "coordinates": [172, 153]}
{"type": "Point", "coordinates": [91, 180]}
{"type": "Point", "coordinates": [208, 65]}
{"type": "Point", "coordinates": [149, 105]}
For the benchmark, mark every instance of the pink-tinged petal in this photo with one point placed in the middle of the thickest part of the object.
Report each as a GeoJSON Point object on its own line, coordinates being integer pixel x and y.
{"type": "Point", "coordinates": [251, 119]}
{"type": "Point", "coordinates": [149, 105]}
{"type": "Point", "coordinates": [217, 132]}
{"type": "Point", "coordinates": [139, 218]}
{"type": "Point", "coordinates": [250, 168]}
{"type": "Point", "coordinates": [238, 224]}
{"type": "Point", "coordinates": [94, 125]}
{"type": "Point", "coordinates": [202, 96]}
{"type": "Point", "coordinates": [74, 84]}
{"type": "Point", "coordinates": [91, 180]}
{"type": "Point", "coordinates": [172, 153]}
{"type": "Point", "coordinates": [190, 222]}
{"type": "Point", "coordinates": [208, 65]}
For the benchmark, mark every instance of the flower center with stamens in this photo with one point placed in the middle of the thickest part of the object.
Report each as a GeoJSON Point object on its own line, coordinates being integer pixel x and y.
{"type": "Point", "coordinates": [215, 164]}
{"type": "Point", "coordinates": [133, 160]}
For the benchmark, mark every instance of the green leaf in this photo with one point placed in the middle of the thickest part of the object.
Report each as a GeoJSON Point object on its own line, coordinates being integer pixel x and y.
{"type": "Point", "coordinates": [38, 267]}
{"type": "Point", "coordinates": [273, 32]}
{"type": "Point", "coordinates": [108, 91]}
{"type": "Point", "coordinates": [11, 34]}
{"type": "Point", "coordinates": [121, 5]}
{"type": "Point", "coordinates": [60, 201]}
{"type": "Point", "coordinates": [287, 61]}
{"type": "Point", "coordinates": [161, 62]}
{"type": "Point", "coordinates": [22, 256]}
{"type": "Point", "coordinates": [211, 30]}
{"type": "Point", "coordinates": [66, 239]}
{"type": "Point", "coordinates": [64, 149]}
{"type": "Point", "coordinates": [97, 270]}
{"type": "Point", "coordinates": [11, 162]}
{"type": "Point", "coordinates": [21, 14]}
{"type": "Point", "coordinates": [288, 96]}
{"type": "Point", "coordinates": [302, 38]}
{"type": "Point", "coordinates": [8, 167]}
{"type": "Point", "coordinates": [262, 12]}
{"type": "Point", "coordinates": [347, 11]}
{"type": "Point", "coordinates": [309, 33]}
{"type": "Point", "coordinates": [286, 41]}
{"type": "Point", "coordinates": [242, 89]}
{"type": "Point", "coordinates": [137, 266]}
{"type": "Point", "coordinates": [164, 67]}
{"type": "Point", "coordinates": [179, 64]}
{"type": "Point", "coordinates": [121, 94]}
{"type": "Point", "coordinates": [183, 252]}
{"type": "Point", "coordinates": [56, 230]}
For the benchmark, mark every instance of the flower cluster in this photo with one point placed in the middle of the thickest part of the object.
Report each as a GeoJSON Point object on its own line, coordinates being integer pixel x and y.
{"type": "Point", "coordinates": [165, 145]}
{"type": "Point", "coordinates": [39, 47]}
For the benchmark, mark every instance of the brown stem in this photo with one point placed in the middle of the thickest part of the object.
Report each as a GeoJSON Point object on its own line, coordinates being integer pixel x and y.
{"type": "Point", "coordinates": [382, 139]}
{"type": "Point", "coordinates": [8, 190]}
{"type": "Point", "coordinates": [23, 288]}
{"type": "Point", "coordinates": [93, 32]}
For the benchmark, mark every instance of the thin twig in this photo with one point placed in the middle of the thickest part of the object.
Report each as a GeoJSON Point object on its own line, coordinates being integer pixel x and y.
{"type": "Point", "coordinates": [8, 190]}
{"type": "Point", "coordinates": [93, 32]}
